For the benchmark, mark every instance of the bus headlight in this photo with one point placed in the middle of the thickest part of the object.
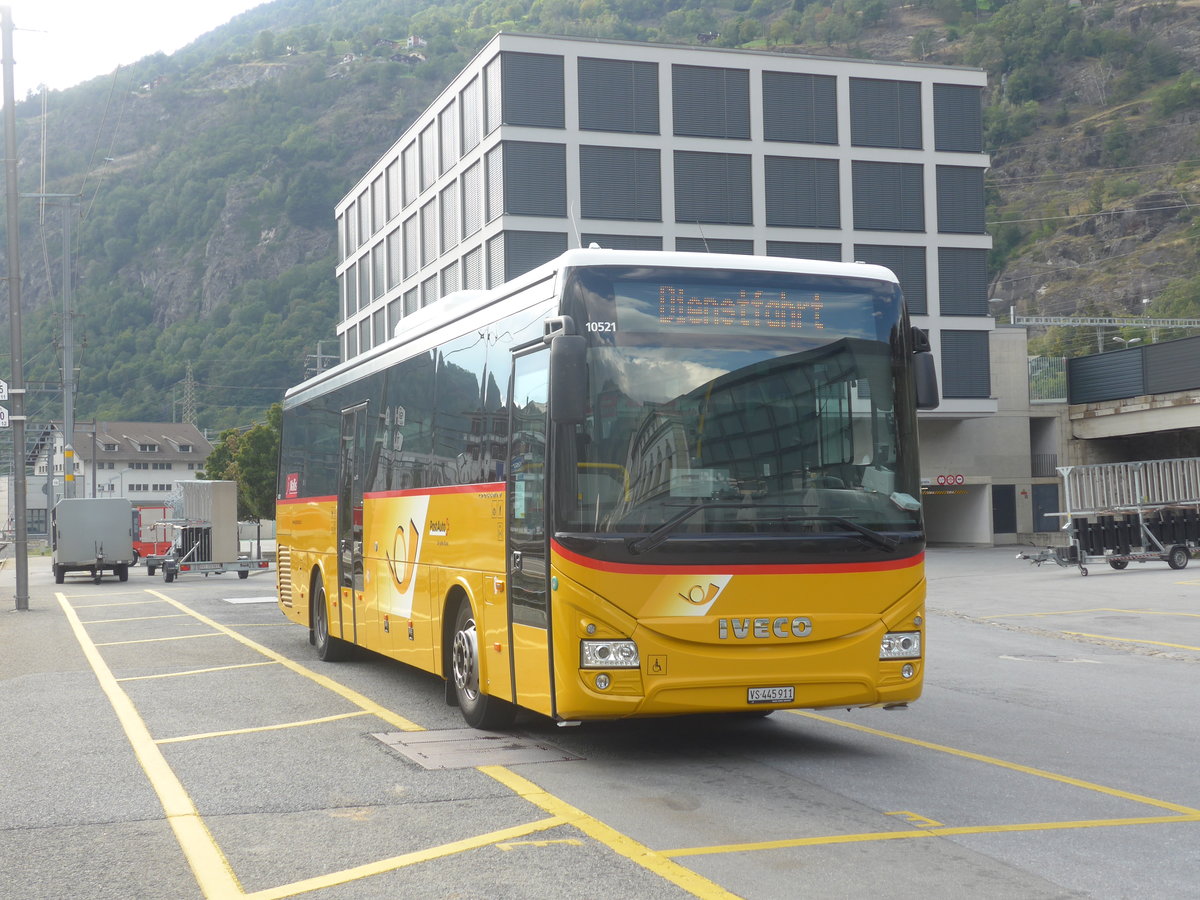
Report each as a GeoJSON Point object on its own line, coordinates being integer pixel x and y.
{"type": "Point", "coordinates": [900, 645]}
{"type": "Point", "coordinates": [608, 655]}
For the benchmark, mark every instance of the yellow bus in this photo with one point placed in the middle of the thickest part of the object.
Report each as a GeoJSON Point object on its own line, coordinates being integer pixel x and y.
{"type": "Point", "coordinates": [626, 483]}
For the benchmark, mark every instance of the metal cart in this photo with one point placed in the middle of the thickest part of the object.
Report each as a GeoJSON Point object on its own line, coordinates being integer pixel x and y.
{"type": "Point", "coordinates": [205, 533]}
{"type": "Point", "coordinates": [1118, 513]}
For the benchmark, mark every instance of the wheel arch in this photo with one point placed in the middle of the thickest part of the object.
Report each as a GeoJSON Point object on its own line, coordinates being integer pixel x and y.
{"type": "Point", "coordinates": [456, 595]}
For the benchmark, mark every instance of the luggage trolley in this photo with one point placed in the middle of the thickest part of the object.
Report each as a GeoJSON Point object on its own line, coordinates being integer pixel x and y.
{"type": "Point", "coordinates": [1118, 513]}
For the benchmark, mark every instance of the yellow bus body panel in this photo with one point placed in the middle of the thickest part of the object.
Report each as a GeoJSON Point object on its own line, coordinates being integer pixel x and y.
{"type": "Point", "coordinates": [690, 663]}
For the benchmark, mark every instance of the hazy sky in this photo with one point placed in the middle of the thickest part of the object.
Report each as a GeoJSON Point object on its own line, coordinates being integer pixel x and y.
{"type": "Point", "coordinates": [61, 43]}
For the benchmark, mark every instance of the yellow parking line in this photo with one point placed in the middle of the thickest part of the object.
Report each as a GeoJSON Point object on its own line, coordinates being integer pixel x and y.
{"type": "Point", "coordinates": [176, 637]}
{"type": "Point", "coordinates": [942, 831]}
{"type": "Point", "coordinates": [1004, 764]}
{"type": "Point", "coordinates": [211, 869]}
{"type": "Point", "coordinates": [359, 700]}
{"type": "Point", "coordinates": [134, 619]}
{"type": "Point", "coordinates": [333, 879]}
{"type": "Point", "coordinates": [652, 860]}
{"type": "Point", "coordinates": [1123, 640]}
{"type": "Point", "coordinates": [212, 734]}
{"type": "Point", "coordinates": [269, 662]}
{"type": "Point", "coordinates": [1102, 609]}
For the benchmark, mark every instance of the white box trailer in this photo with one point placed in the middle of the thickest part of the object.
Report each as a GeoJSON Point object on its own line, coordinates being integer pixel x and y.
{"type": "Point", "coordinates": [92, 534]}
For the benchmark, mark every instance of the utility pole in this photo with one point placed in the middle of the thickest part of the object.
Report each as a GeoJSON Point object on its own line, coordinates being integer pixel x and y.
{"type": "Point", "coordinates": [68, 202]}
{"type": "Point", "coordinates": [17, 389]}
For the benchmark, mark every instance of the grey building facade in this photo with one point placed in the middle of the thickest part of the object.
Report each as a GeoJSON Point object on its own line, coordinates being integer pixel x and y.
{"type": "Point", "coordinates": [545, 143]}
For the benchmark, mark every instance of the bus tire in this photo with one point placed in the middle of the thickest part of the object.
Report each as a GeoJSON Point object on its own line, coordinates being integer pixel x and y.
{"type": "Point", "coordinates": [329, 648]}
{"type": "Point", "coordinates": [478, 709]}
{"type": "Point", "coordinates": [1178, 557]}
{"type": "Point", "coordinates": [59, 574]}
{"type": "Point", "coordinates": [122, 572]}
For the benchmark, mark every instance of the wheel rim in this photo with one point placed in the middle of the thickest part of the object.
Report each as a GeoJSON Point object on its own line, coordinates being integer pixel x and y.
{"type": "Point", "coordinates": [320, 625]}
{"type": "Point", "coordinates": [465, 653]}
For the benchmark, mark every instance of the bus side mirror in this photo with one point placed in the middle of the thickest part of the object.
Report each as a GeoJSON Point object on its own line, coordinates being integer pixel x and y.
{"type": "Point", "coordinates": [925, 378]}
{"type": "Point", "coordinates": [568, 379]}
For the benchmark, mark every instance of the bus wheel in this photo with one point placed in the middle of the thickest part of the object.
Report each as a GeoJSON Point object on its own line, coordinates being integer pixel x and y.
{"type": "Point", "coordinates": [329, 648]}
{"type": "Point", "coordinates": [479, 710]}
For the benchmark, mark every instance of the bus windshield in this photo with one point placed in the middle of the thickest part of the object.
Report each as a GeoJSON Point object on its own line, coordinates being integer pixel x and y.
{"type": "Point", "coordinates": [735, 402]}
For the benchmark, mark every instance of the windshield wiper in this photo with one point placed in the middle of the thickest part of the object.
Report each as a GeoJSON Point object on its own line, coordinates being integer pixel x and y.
{"type": "Point", "coordinates": [663, 531]}
{"type": "Point", "coordinates": [875, 537]}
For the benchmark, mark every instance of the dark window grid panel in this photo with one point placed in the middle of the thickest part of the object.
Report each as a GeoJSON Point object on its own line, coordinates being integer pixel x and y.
{"type": "Point", "coordinates": [618, 95]}
{"type": "Point", "coordinates": [888, 196]}
{"type": "Point", "coordinates": [533, 89]}
{"type": "Point", "coordinates": [802, 193]}
{"type": "Point", "coordinates": [957, 118]}
{"type": "Point", "coordinates": [737, 246]}
{"type": "Point", "coordinates": [805, 250]}
{"type": "Point", "coordinates": [966, 365]}
{"type": "Point", "coordinates": [909, 266]}
{"type": "Point", "coordinates": [962, 281]}
{"type": "Point", "coordinates": [620, 183]}
{"type": "Point", "coordinates": [885, 113]}
{"type": "Point", "coordinates": [960, 207]}
{"type": "Point", "coordinates": [800, 108]}
{"type": "Point", "coordinates": [710, 102]}
{"type": "Point", "coordinates": [525, 250]}
{"type": "Point", "coordinates": [713, 188]}
{"type": "Point", "coordinates": [623, 241]}
{"type": "Point", "coordinates": [535, 179]}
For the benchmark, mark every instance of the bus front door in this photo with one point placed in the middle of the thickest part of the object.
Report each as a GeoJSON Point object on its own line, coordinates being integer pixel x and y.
{"type": "Point", "coordinates": [351, 469]}
{"type": "Point", "coordinates": [528, 600]}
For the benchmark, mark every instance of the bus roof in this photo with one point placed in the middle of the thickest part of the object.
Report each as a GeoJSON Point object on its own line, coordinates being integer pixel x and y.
{"type": "Point", "coordinates": [459, 304]}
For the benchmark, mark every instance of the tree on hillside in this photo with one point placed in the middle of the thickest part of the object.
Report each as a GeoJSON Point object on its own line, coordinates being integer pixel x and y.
{"type": "Point", "coordinates": [249, 457]}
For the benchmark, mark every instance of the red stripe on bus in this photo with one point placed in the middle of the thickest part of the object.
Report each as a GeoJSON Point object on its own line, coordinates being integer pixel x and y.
{"type": "Point", "coordinates": [887, 565]}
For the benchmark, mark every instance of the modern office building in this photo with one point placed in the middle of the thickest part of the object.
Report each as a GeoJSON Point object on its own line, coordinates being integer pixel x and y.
{"type": "Point", "coordinates": [545, 143]}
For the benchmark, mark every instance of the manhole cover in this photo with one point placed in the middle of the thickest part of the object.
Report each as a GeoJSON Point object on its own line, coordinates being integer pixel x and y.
{"type": "Point", "coordinates": [467, 748]}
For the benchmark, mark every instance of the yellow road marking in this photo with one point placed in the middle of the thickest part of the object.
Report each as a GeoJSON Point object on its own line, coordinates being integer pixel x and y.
{"type": "Point", "coordinates": [134, 619]}
{"type": "Point", "coordinates": [101, 605]}
{"type": "Point", "coordinates": [333, 879]}
{"type": "Point", "coordinates": [212, 734]}
{"type": "Point", "coordinates": [177, 637]}
{"type": "Point", "coordinates": [913, 819]}
{"type": "Point", "coordinates": [512, 845]}
{"type": "Point", "coordinates": [359, 700]}
{"type": "Point", "coordinates": [1124, 640]}
{"type": "Point", "coordinates": [197, 671]}
{"type": "Point", "coordinates": [942, 831]}
{"type": "Point", "coordinates": [1004, 764]}
{"type": "Point", "coordinates": [211, 869]}
{"type": "Point", "coordinates": [653, 860]}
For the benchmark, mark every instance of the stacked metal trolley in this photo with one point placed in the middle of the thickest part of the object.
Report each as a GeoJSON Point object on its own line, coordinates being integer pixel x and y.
{"type": "Point", "coordinates": [1118, 513]}
{"type": "Point", "coordinates": [205, 533]}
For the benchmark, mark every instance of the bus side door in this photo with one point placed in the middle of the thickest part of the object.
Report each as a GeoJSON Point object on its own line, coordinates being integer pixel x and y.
{"type": "Point", "coordinates": [528, 581]}
{"type": "Point", "coordinates": [351, 471]}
